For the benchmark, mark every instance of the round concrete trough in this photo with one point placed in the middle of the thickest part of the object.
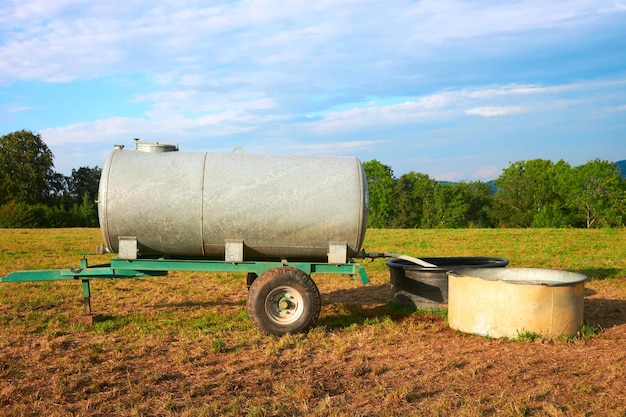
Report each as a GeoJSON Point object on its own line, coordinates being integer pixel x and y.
{"type": "Point", "coordinates": [513, 301]}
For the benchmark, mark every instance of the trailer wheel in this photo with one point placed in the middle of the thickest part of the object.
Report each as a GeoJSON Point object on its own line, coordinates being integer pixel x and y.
{"type": "Point", "coordinates": [283, 300]}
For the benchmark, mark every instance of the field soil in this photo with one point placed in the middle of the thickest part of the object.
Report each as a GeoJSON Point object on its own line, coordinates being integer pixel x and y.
{"type": "Point", "coordinates": [182, 345]}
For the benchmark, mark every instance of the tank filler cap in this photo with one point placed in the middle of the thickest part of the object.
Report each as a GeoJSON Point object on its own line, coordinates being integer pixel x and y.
{"type": "Point", "coordinates": [146, 146]}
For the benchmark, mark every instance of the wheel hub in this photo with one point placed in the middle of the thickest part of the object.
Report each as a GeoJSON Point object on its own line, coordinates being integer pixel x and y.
{"type": "Point", "coordinates": [284, 305]}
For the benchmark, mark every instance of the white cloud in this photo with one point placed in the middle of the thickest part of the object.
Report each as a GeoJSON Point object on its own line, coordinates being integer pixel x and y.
{"type": "Point", "coordinates": [336, 147]}
{"type": "Point", "coordinates": [123, 128]}
{"type": "Point", "coordinates": [489, 172]}
{"type": "Point", "coordinates": [65, 40]}
{"type": "Point", "coordinates": [619, 108]}
{"type": "Point", "coordinates": [495, 111]}
{"type": "Point", "coordinates": [449, 176]}
{"type": "Point", "coordinates": [517, 90]}
{"type": "Point", "coordinates": [487, 101]}
{"type": "Point", "coordinates": [102, 131]}
{"type": "Point", "coordinates": [18, 109]}
{"type": "Point", "coordinates": [360, 117]}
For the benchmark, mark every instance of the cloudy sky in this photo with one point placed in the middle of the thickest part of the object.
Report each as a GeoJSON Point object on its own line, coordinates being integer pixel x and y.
{"type": "Point", "coordinates": [454, 89]}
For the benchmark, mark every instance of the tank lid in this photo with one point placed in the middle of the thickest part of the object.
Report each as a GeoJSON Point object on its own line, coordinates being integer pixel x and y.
{"type": "Point", "coordinates": [145, 146]}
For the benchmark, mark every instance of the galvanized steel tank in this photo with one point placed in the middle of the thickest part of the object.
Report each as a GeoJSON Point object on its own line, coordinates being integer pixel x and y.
{"type": "Point", "coordinates": [192, 203]}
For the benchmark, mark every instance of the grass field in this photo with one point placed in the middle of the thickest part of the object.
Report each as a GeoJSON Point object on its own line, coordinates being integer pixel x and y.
{"type": "Point", "coordinates": [182, 345]}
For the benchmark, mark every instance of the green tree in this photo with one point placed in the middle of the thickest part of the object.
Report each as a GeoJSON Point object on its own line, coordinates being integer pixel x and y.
{"type": "Point", "coordinates": [83, 191]}
{"type": "Point", "coordinates": [478, 196]}
{"type": "Point", "coordinates": [553, 215]}
{"type": "Point", "coordinates": [59, 194]}
{"type": "Point", "coordinates": [412, 191]}
{"type": "Point", "coordinates": [598, 194]}
{"type": "Point", "coordinates": [382, 197]}
{"type": "Point", "coordinates": [25, 168]}
{"type": "Point", "coordinates": [85, 213]}
{"type": "Point", "coordinates": [84, 180]}
{"type": "Point", "coordinates": [528, 188]}
{"type": "Point", "coordinates": [462, 204]}
{"type": "Point", "coordinates": [445, 210]}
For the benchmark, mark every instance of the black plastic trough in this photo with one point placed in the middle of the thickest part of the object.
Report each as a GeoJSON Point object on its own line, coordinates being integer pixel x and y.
{"type": "Point", "coordinates": [417, 287]}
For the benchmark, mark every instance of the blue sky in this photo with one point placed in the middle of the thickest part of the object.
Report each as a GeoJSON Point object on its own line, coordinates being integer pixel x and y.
{"type": "Point", "coordinates": [454, 89]}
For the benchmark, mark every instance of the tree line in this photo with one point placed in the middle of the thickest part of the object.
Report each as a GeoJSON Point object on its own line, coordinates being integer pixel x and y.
{"type": "Point", "coordinates": [534, 193]}
{"type": "Point", "coordinates": [32, 194]}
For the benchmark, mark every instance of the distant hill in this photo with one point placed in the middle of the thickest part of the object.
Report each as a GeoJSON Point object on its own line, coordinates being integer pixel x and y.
{"type": "Point", "coordinates": [622, 167]}
{"type": "Point", "coordinates": [620, 164]}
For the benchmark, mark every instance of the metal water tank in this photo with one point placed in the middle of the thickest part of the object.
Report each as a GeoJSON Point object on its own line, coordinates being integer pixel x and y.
{"type": "Point", "coordinates": [193, 203]}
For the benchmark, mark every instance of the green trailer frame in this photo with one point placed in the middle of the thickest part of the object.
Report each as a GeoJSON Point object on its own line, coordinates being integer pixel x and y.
{"type": "Point", "coordinates": [282, 296]}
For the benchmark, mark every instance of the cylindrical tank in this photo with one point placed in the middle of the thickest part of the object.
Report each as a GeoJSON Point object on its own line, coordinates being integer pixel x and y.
{"type": "Point", "coordinates": [191, 203]}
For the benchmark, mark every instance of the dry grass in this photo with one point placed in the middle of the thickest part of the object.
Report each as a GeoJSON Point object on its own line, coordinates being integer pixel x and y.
{"type": "Point", "coordinates": [182, 345]}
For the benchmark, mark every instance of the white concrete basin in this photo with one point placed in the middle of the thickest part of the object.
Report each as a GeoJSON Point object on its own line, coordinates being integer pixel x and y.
{"type": "Point", "coordinates": [508, 302]}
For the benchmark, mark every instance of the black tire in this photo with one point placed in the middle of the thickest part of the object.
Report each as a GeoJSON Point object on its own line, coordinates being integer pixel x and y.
{"type": "Point", "coordinates": [283, 300]}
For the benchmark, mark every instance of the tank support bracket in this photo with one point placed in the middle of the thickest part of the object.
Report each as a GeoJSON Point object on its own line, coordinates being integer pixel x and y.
{"type": "Point", "coordinates": [234, 250]}
{"type": "Point", "coordinates": [337, 252]}
{"type": "Point", "coordinates": [127, 247]}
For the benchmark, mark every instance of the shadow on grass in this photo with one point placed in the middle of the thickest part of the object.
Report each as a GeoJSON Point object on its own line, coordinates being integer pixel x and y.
{"type": "Point", "coordinates": [600, 273]}
{"type": "Point", "coordinates": [183, 305]}
{"type": "Point", "coordinates": [370, 304]}
{"type": "Point", "coordinates": [605, 313]}
{"type": "Point", "coordinates": [363, 294]}
{"type": "Point", "coordinates": [353, 314]}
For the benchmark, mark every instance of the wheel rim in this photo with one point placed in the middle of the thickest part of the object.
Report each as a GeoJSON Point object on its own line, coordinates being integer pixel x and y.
{"type": "Point", "coordinates": [284, 305]}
